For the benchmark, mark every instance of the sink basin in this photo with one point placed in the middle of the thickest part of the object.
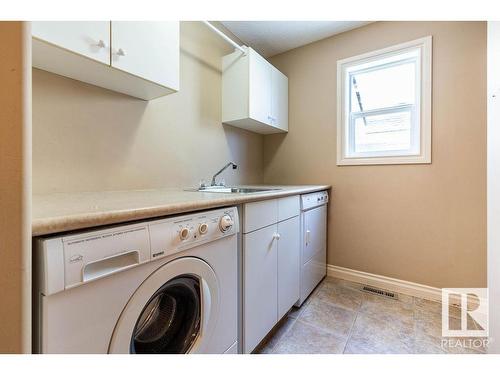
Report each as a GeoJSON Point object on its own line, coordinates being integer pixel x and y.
{"type": "Point", "coordinates": [240, 190]}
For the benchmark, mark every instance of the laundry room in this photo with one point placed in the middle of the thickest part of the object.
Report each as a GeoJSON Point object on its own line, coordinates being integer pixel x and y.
{"type": "Point", "coordinates": [259, 187]}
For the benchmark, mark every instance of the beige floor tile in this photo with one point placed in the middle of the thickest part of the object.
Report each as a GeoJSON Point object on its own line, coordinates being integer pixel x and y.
{"type": "Point", "coordinates": [340, 295]}
{"type": "Point", "coordinates": [329, 317]}
{"type": "Point", "coordinates": [344, 283]}
{"type": "Point", "coordinates": [375, 335]}
{"type": "Point", "coordinates": [275, 336]}
{"type": "Point", "coordinates": [428, 305]}
{"type": "Point", "coordinates": [338, 311]}
{"type": "Point", "coordinates": [303, 338]}
{"type": "Point", "coordinates": [296, 311]}
{"type": "Point", "coordinates": [386, 308]}
{"type": "Point", "coordinates": [428, 326]}
{"type": "Point", "coordinates": [430, 323]}
{"type": "Point", "coordinates": [406, 299]}
{"type": "Point", "coordinates": [435, 307]}
{"type": "Point", "coordinates": [427, 345]}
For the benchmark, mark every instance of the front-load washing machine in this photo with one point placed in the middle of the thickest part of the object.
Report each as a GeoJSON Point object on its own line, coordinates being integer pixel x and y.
{"type": "Point", "coordinates": [160, 286]}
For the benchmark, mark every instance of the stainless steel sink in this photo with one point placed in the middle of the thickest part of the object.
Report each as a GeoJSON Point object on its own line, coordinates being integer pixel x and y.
{"type": "Point", "coordinates": [240, 190]}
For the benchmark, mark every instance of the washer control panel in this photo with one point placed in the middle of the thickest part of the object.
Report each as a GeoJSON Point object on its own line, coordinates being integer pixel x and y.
{"type": "Point", "coordinates": [172, 235]}
{"type": "Point", "coordinates": [71, 260]}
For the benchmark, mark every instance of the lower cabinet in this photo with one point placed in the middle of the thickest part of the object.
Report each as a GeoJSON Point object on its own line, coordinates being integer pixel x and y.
{"type": "Point", "coordinates": [271, 268]}
{"type": "Point", "coordinates": [261, 284]}
{"type": "Point", "coordinates": [288, 264]}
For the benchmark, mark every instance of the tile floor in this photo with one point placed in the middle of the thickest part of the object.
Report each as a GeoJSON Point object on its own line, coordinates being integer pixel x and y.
{"type": "Point", "coordinates": [339, 318]}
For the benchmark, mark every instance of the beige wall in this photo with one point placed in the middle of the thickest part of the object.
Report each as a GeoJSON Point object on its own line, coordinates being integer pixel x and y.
{"type": "Point", "coordinates": [15, 185]}
{"type": "Point", "coordinates": [422, 223]}
{"type": "Point", "coordinates": [87, 138]}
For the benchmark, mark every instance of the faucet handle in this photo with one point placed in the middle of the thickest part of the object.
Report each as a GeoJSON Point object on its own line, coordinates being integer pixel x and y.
{"type": "Point", "coordinates": [203, 184]}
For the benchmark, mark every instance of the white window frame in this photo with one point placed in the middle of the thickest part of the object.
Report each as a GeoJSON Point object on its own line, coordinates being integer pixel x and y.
{"type": "Point", "coordinates": [422, 155]}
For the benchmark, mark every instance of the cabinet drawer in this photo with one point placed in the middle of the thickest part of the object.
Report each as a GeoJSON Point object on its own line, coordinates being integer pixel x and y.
{"type": "Point", "coordinates": [288, 207]}
{"type": "Point", "coordinates": [258, 215]}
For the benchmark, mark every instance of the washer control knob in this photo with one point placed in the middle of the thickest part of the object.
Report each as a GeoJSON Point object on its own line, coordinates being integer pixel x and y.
{"type": "Point", "coordinates": [226, 223]}
{"type": "Point", "coordinates": [203, 228]}
{"type": "Point", "coordinates": [184, 234]}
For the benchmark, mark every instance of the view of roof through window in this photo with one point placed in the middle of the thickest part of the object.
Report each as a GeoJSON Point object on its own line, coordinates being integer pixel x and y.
{"type": "Point", "coordinates": [383, 95]}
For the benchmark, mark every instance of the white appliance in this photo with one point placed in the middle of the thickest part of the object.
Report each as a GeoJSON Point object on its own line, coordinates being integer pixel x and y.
{"type": "Point", "coordinates": [313, 207]}
{"type": "Point", "coordinates": [160, 286]}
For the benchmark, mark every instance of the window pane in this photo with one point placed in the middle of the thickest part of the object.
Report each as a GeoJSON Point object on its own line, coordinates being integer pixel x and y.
{"type": "Point", "coordinates": [388, 86]}
{"type": "Point", "coordinates": [383, 132]}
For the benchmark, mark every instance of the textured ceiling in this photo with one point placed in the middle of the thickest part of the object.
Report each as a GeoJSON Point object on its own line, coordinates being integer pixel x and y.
{"type": "Point", "coordinates": [272, 37]}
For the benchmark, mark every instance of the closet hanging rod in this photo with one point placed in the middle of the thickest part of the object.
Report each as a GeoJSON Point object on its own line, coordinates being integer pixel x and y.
{"type": "Point", "coordinates": [225, 37]}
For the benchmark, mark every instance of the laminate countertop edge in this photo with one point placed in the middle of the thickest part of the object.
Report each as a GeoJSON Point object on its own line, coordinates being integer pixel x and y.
{"type": "Point", "coordinates": [63, 212]}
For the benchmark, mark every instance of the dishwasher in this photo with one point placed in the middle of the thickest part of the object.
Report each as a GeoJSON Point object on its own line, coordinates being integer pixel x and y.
{"type": "Point", "coordinates": [313, 217]}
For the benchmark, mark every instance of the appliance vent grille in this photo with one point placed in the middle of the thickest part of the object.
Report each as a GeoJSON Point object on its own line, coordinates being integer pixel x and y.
{"type": "Point", "coordinates": [379, 292]}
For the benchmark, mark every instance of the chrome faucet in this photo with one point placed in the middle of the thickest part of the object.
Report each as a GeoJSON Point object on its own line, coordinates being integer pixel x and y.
{"type": "Point", "coordinates": [213, 183]}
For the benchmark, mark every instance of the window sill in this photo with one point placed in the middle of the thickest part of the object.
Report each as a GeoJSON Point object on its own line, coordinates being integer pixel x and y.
{"type": "Point", "coordinates": [389, 160]}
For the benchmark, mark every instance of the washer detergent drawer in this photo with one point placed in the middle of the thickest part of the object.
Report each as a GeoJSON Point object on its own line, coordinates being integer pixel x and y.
{"type": "Point", "coordinates": [314, 236]}
{"type": "Point", "coordinates": [89, 257]}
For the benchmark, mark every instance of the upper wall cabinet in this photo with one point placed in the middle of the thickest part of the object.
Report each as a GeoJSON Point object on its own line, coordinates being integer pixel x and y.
{"type": "Point", "coordinates": [254, 93]}
{"type": "Point", "coordinates": [89, 39]}
{"type": "Point", "coordinates": [149, 50]}
{"type": "Point", "coordinates": [140, 59]}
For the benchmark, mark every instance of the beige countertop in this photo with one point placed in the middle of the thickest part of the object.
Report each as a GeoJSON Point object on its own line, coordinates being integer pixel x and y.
{"type": "Point", "coordinates": [60, 212]}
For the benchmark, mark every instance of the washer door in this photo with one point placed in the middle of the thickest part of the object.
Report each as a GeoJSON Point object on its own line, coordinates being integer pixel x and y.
{"type": "Point", "coordinates": [173, 311]}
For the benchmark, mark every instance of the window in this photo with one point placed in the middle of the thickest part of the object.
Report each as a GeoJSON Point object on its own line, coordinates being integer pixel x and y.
{"type": "Point", "coordinates": [384, 106]}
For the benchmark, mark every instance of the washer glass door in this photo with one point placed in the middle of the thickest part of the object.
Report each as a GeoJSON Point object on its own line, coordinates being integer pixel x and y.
{"type": "Point", "coordinates": [173, 311]}
{"type": "Point", "coordinates": [170, 321]}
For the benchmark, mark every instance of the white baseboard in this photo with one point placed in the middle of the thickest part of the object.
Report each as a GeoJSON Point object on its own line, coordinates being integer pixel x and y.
{"type": "Point", "coordinates": [384, 282]}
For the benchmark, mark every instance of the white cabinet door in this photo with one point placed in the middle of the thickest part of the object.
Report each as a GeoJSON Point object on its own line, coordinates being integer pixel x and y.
{"type": "Point", "coordinates": [260, 299]}
{"type": "Point", "coordinates": [87, 38]}
{"type": "Point", "coordinates": [288, 264]}
{"type": "Point", "coordinates": [254, 94]}
{"type": "Point", "coordinates": [315, 232]}
{"type": "Point", "coordinates": [279, 99]}
{"type": "Point", "coordinates": [149, 50]}
{"type": "Point", "coordinates": [260, 75]}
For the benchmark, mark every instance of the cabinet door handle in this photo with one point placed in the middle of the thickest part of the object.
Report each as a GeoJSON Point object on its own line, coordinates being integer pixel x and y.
{"type": "Point", "coordinates": [120, 52]}
{"type": "Point", "coordinates": [308, 236]}
{"type": "Point", "coordinates": [276, 236]}
{"type": "Point", "coordinates": [101, 44]}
